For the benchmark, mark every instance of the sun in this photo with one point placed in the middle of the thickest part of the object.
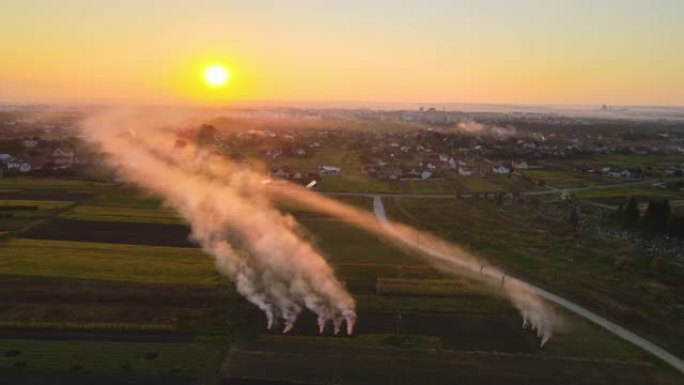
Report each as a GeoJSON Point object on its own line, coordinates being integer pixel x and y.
{"type": "Point", "coordinates": [216, 75]}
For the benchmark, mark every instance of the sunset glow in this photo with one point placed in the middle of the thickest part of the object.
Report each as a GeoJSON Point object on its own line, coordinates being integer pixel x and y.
{"type": "Point", "coordinates": [216, 75]}
{"type": "Point", "coordinates": [519, 51]}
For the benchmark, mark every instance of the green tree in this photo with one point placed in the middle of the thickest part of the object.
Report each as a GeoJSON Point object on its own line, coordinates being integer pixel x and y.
{"type": "Point", "coordinates": [657, 216]}
{"type": "Point", "coordinates": [630, 214]}
{"type": "Point", "coordinates": [573, 219]}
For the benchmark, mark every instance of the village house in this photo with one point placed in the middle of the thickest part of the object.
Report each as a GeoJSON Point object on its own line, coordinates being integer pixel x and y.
{"type": "Point", "coordinates": [296, 175]}
{"type": "Point", "coordinates": [280, 172]}
{"type": "Point", "coordinates": [525, 165]}
{"type": "Point", "coordinates": [393, 174]}
{"type": "Point", "coordinates": [501, 170]}
{"type": "Point", "coordinates": [372, 171]}
{"type": "Point", "coordinates": [584, 168]}
{"type": "Point", "coordinates": [29, 143]}
{"type": "Point", "coordinates": [674, 170]}
{"type": "Point", "coordinates": [20, 164]}
{"type": "Point", "coordinates": [63, 157]}
{"type": "Point", "coordinates": [520, 164]}
{"type": "Point", "coordinates": [618, 172]}
{"type": "Point", "coordinates": [465, 171]}
{"type": "Point", "coordinates": [329, 170]}
{"type": "Point", "coordinates": [413, 172]}
{"type": "Point", "coordinates": [273, 153]}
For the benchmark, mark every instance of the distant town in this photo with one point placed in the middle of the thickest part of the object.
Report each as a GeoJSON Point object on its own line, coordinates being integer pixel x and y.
{"type": "Point", "coordinates": [425, 144]}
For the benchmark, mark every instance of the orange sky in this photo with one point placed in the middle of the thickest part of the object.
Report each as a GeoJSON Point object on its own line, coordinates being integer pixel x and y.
{"type": "Point", "coordinates": [517, 51]}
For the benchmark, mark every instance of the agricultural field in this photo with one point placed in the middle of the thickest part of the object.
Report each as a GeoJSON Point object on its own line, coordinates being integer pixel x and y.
{"type": "Point", "coordinates": [122, 310]}
{"type": "Point", "coordinates": [87, 260]}
{"type": "Point", "coordinates": [364, 184]}
{"type": "Point", "coordinates": [147, 362]}
{"type": "Point", "coordinates": [23, 188]}
{"type": "Point", "coordinates": [566, 178]}
{"type": "Point", "coordinates": [496, 183]}
{"type": "Point", "coordinates": [653, 163]}
{"type": "Point", "coordinates": [17, 214]}
{"type": "Point", "coordinates": [620, 195]}
{"type": "Point", "coordinates": [547, 251]}
{"type": "Point", "coordinates": [406, 317]}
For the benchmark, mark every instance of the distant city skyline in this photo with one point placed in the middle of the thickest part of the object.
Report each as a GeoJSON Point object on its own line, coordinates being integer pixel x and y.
{"type": "Point", "coordinates": [521, 52]}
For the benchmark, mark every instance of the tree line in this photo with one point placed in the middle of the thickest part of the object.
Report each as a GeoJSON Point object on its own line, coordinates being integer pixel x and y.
{"type": "Point", "coordinates": [657, 219]}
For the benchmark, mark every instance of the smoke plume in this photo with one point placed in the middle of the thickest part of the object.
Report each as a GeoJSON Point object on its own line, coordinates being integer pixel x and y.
{"type": "Point", "coordinates": [474, 128]}
{"type": "Point", "coordinates": [442, 255]}
{"type": "Point", "coordinates": [228, 207]}
{"type": "Point", "coordinates": [258, 247]}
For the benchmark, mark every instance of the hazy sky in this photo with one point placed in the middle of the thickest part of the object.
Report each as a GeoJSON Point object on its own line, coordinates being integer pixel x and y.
{"type": "Point", "coordinates": [489, 51]}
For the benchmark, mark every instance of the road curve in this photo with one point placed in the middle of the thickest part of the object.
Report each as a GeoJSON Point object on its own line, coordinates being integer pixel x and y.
{"type": "Point", "coordinates": [674, 361]}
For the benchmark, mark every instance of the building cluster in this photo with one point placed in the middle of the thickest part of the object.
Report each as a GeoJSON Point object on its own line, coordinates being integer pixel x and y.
{"type": "Point", "coordinates": [34, 155]}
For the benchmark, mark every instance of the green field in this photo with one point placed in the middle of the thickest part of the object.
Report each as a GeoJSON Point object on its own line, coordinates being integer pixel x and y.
{"type": "Point", "coordinates": [62, 286]}
{"type": "Point", "coordinates": [123, 205]}
{"type": "Point", "coordinates": [14, 217]}
{"type": "Point", "coordinates": [654, 163]}
{"type": "Point", "coordinates": [567, 178]}
{"type": "Point", "coordinates": [27, 183]}
{"type": "Point", "coordinates": [639, 192]}
{"type": "Point", "coordinates": [547, 251]}
{"type": "Point", "coordinates": [194, 358]}
{"type": "Point", "coordinates": [129, 263]}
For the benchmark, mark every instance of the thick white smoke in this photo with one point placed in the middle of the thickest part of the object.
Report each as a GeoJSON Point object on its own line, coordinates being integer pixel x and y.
{"type": "Point", "coordinates": [445, 256]}
{"type": "Point", "coordinates": [258, 247]}
{"type": "Point", "coordinates": [475, 128]}
{"type": "Point", "coordinates": [228, 207]}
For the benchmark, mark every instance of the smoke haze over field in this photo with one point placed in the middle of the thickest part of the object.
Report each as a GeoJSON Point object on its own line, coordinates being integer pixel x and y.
{"type": "Point", "coordinates": [259, 248]}
{"type": "Point", "coordinates": [475, 128]}
{"type": "Point", "coordinates": [229, 209]}
{"type": "Point", "coordinates": [442, 255]}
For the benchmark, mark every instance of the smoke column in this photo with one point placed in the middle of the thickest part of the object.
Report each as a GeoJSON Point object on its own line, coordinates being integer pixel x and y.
{"type": "Point", "coordinates": [258, 247]}
{"type": "Point", "coordinates": [442, 255]}
{"type": "Point", "coordinates": [228, 207]}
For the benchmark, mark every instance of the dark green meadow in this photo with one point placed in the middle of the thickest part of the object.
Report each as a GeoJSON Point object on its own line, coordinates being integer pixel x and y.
{"type": "Point", "coordinates": [548, 251]}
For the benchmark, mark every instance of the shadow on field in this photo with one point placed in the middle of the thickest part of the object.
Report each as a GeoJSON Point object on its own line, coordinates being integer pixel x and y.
{"type": "Point", "coordinates": [45, 195]}
{"type": "Point", "coordinates": [148, 234]}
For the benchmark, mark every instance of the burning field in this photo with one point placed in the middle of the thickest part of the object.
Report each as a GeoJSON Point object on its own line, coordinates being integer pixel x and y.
{"type": "Point", "coordinates": [229, 208]}
{"type": "Point", "coordinates": [294, 262]}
